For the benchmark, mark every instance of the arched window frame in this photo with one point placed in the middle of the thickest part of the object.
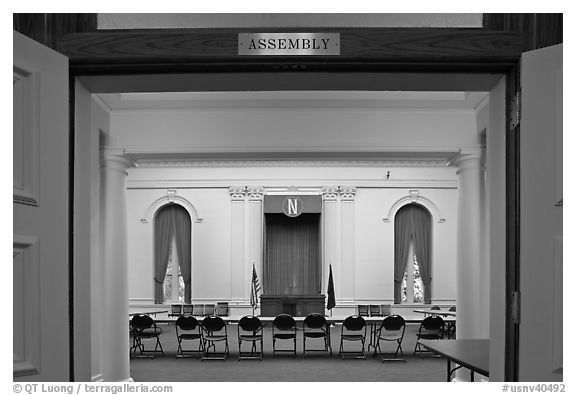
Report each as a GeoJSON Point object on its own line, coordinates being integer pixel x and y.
{"type": "Point", "coordinates": [414, 197]}
{"type": "Point", "coordinates": [172, 197]}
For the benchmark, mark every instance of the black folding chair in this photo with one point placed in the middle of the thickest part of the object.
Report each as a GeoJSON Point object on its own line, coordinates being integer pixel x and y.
{"type": "Point", "coordinates": [354, 330]}
{"type": "Point", "coordinates": [209, 309]}
{"type": "Point", "coordinates": [198, 310]}
{"type": "Point", "coordinates": [283, 328]}
{"type": "Point", "coordinates": [431, 328]}
{"type": "Point", "coordinates": [222, 309]}
{"type": "Point", "coordinates": [363, 310]}
{"type": "Point", "coordinates": [316, 327]}
{"type": "Point", "coordinates": [250, 329]}
{"type": "Point", "coordinates": [450, 329]}
{"type": "Point", "coordinates": [391, 329]}
{"type": "Point", "coordinates": [433, 311]}
{"type": "Point", "coordinates": [143, 327]}
{"type": "Point", "coordinates": [175, 310]}
{"type": "Point", "coordinates": [187, 309]}
{"type": "Point", "coordinates": [187, 328]}
{"type": "Point", "coordinates": [214, 331]}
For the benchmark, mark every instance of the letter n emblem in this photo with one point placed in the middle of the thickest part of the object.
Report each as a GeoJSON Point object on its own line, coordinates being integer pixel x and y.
{"type": "Point", "coordinates": [292, 206]}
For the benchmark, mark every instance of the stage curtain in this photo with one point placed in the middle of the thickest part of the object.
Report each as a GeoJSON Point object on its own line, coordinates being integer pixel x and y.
{"type": "Point", "coordinates": [292, 260]}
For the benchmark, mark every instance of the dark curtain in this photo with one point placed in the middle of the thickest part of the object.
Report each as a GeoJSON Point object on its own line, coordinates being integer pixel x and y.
{"type": "Point", "coordinates": [402, 238]}
{"type": "Point", "coordinates": [412, 223]}
{"type": "Point", "coordinates": [422, 229]}
{"type": "Point", "coordinates": [292, 259]}
{"type": "Point", "coordinates": [163, 231]}
{"type": "Point", "coordinates": [183, 232]}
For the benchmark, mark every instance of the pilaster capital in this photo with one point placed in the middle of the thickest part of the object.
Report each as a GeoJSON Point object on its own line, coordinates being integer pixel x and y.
{"type": "Point", "coordinates": [237, 194]}
{"type": "Point", "coordinates": [469, 159]}
{"type": "Point", "coordinates": [347, 194]}
{"type": "Point", "coordinates": [113, 159]}
{"type": "Point", "coordinates": [255, 194]}
{"type": "Point", "coordinates": [330, 194]}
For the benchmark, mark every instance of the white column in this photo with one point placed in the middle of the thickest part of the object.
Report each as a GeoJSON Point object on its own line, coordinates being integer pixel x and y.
{"type": "Point", "coordinates": [237, 195]}
{"type": "Point", "coordinates": [255, 235]}
{"type": "Point", "coordinates": [470, 296]}
{"type": "Point", "coordinates": [330, 230]}
{"type": "Point", "coordinates": [115, 340]}
{"type": "Point", "coordinates": [348, 234]}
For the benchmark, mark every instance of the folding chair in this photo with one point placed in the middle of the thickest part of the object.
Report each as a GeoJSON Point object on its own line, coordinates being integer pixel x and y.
{"type": "Point", "coordinates": [175, 310]}
{"type": "Point", "coordinates": [316, 327]}
{"type": "Point", "coordinates": [354, 330]}
{"type": "Point", "coordinates": [209, 309]}
{"type": "Point", "coordinates": [450, 324]}
{"type": "Point", "coordinates": [363, 310]}
{"type": "Point", "coordinates": [431, 328]}
{"type": "Point", "coordinates": [391, 329]}
{"type": "Point", "coordinates": [198, 310]}
{"type": "Point", "coordinates": [250, 329]}
{"type": "Point", "coordinates": [283, 328]}
{"type": "Point", "coordinates": [187, 328]}
{"type": "Point", "coordinates": [214, 331]}
{"type": "Point", "coordinates": [222, 309]}
{"type": "Point", "coordinates": [143, 327]}
{"type": "Point", "coordinates": [187, 309]}
{"type": "Point", "coordinates": [375, 310]}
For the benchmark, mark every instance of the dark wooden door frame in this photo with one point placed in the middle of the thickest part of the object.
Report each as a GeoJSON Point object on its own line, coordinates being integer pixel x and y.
{"type": "Point", "coordinates": [495, 49]}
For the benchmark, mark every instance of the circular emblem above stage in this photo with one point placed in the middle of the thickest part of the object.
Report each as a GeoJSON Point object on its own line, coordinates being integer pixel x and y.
{"type": "Point", "coordinates": [292, 206]}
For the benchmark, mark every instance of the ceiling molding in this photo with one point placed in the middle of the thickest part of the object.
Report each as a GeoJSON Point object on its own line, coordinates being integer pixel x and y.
{"type": "Point", "coordinates": [179, 163]}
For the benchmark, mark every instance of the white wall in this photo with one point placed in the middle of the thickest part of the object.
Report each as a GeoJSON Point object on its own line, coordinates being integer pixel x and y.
{"type": "Point", "coordinates": [373, 261]}
{"type": "Point", "coordinates": [375, 248]}
{"type": "Point", "coordinates": [293, 129]}
{"type": "Point", "coordinates": [211, 239]}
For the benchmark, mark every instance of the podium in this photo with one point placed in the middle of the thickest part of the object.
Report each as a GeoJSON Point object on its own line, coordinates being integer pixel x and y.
{"type": "Point", "coordinates": [295, 305]}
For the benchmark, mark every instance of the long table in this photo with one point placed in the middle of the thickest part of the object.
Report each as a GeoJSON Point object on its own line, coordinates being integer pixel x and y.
{"type": "Point", "coordinates": [153, 312]}
{"type": "Point", "coordinates": [472, 354]}
{"type": "Point", "coordinates": [444, 313]}
{"type": "Point", "coordinates": [269, 319]}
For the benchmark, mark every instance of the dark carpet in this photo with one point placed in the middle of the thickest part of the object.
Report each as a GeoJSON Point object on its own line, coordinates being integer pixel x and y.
{"type": "Point", "coordinates": [315, 367]}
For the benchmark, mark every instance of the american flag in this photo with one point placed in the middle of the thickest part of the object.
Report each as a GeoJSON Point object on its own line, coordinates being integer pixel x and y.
{"type": "Point", "coordinates": [255, 287]}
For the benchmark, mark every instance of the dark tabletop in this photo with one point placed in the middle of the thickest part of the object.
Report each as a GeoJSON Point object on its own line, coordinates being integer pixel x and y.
{"type": "Point", "coordinates": [472, 354]}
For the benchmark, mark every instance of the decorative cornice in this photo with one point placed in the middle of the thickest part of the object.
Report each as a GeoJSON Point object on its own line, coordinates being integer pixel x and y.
{"type": "Point", "coordinates": [306, 187]}
{"type": "Point", "coordinates": [173, 163]}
